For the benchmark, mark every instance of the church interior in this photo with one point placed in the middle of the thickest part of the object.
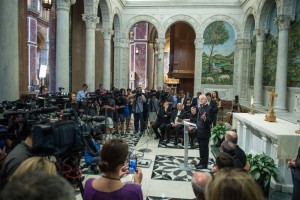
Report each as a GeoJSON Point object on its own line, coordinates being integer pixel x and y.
{"type": "Point", "coordinates": [244, 48]}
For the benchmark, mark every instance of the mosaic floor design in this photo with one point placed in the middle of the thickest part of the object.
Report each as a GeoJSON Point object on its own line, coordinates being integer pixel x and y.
{"type": "Point", "coordinates": [129, 138]}
{"type": "Point", "coordinates": [180, 145]}
{"type": "Point", "coordinates": [168, 168]}
{"type": "Point", "coordinates": [162, 198]}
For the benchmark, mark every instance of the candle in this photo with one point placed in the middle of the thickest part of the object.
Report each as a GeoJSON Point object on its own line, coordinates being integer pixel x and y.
{"type": "Point", "coordinates": [252, 100]}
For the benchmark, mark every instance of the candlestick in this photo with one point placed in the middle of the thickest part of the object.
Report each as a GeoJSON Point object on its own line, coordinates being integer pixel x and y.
{"type": "Point", "coordinates": [252, 100]}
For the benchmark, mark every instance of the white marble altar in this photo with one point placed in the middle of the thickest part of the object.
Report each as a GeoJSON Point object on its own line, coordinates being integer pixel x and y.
{"type": "Point", "coordinates": [278, 140]}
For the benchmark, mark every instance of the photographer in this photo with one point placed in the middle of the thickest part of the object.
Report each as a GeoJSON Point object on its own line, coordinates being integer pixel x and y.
{"type": "Point", "coordinates": [107, 108]}
{"type": "Point", "coordinates": [137, 109]}
{"type": "Point", "coordinates": [20, 153]}
{"type": "Point", "coordinates": [82, 93]}
{"type": "Point", "coordinates": [153, 105]}
{"type": "Point", "coordinates": [120, 106]}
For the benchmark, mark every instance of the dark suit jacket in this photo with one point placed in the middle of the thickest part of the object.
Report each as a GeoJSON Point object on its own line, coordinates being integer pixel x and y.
{"type": "Point", "coordinates": [297, 170]}
{"type": "Point", "coordinates": [174, 115]}
{"type": "Point", "coordinates": [195, 101]}
{"type": "Point", "coordinates": [214, 107]}
{"type": "Point", "coordinates": [164, 116]}
{"type": "Point", "coordinates": [203, 127]}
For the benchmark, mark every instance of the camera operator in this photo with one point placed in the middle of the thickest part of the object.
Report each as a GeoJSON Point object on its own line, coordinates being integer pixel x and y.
{"type": "Point", "coordinates": [20, 153]}
{"type": "Point", "coordinates": [137, 109]}
{"type": "Point", "coordinates": [82, 93]}
{"type": "Point", "coordinates": [43, 90]}
{"type": "Point", "coordinates": [107, 108]}
{"type": "Point", "coordinates": [153, 105]}
{"type": "Point", "coordinates": [120, 107]}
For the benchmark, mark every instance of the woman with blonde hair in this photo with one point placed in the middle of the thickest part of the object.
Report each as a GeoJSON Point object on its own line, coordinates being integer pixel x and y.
{"type": "Point", "coordinates": [35, 164]}
{"type": "Point", "coordinates": [234, 184]}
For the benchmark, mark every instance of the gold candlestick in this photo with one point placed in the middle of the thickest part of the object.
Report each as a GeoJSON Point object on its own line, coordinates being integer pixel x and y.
{"type": "Point", "coordinates": [270, 117]}
{"type": "Point", "coordinates": [251, 105]}
{"type": "Point", "coordinates": [298, 131]}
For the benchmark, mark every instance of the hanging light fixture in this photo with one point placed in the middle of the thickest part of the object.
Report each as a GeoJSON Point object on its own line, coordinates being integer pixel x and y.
{"type": "Point", "coordinates": [136, 50]}
{"type": "Point", "coordinates": [47, 4]}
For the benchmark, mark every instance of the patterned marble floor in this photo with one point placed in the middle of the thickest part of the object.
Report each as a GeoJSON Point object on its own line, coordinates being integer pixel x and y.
{"type": "Point", "coordinates": [168, 168]}
{"type": "Point", "coordinates": [180, 145]}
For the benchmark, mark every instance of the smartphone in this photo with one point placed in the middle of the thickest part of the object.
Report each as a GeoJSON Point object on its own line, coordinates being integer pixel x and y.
{"type": "Point", "coordinates": [132, 165]}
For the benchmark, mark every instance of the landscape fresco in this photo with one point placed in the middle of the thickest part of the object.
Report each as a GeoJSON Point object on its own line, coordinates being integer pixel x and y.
{"type": "Point", "coordinates": [270, 51]}
{"type": "Point", "coordinates": [252, 55]}
{"type": "Point", "coordinates": [293, 78]}
{"type": "Point", "coordinates": [218, 54]}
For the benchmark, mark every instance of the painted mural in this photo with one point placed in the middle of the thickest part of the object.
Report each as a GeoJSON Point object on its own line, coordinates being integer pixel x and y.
{"type": "Point", "coordinates": [252, 54]}
{"type": "Point", "coordinates": [293, 78]}
{"type": "Point", "coordinates": [218, 54]}
{"type": "Point", "coordinates": [271, 49]}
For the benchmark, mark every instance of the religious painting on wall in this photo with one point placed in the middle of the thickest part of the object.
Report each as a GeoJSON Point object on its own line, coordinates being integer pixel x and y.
{"type": "Point", "coordinates": [252, 54]}
{"type": "Point", "coordinates": [293, 78]}
{"type": "Point", "coordinates": [270, 50]}
{"type": "Point", "coordinates": [218, 54]}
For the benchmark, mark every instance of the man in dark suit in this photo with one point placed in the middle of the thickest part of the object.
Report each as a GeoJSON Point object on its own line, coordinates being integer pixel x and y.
{"type": "Point", "coordinates": [176, 122]}
{"type": "Point", "coordinates": [203, 131]}
{"type": "Point", "coordinates": [294, 164]}
{"type": "Point", "coordinates": [196, 100]}
{"type": "Point", "coordinates": [213, 106]}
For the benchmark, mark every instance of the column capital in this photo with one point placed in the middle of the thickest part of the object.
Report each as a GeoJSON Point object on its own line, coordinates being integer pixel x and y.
{"type": "Point", "coordinates": [161, 43]}
{"type": "Point", "coordinates": [64, 4]}
{"type": "Point", "coordinates": [199, 43]}
{"type": "Point", "coordinates": [91, 20]}
{"type": "Point", "coordinates": [243, 43]}
{"type": "Point", "coordinates": [107, 33]}
{"type": "Point", "coordinates": [283, 21]}
{"type": "Point", "coordinates": [260, 34]}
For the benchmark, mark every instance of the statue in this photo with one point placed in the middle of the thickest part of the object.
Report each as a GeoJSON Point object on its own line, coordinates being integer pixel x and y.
{"type": "Point", "coordinates": [270, 117]}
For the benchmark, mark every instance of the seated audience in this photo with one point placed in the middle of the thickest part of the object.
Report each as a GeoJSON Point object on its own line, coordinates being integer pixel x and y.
{"type": "Point", "coordinates": [233, 184]}
{"type": "Point", "coordinates": [223, 160]}
{"type": "Point", "coordinates": [34, 164]}
{"type": "Point", "coordinates": [192, 117]}
{"type": "Point", "coordinates": [38, 185]}
{"type": "Point", "coordinates": [109, 186]}
{"type": "Point", "coordinates": [229, 148]}
{"type": "Point", "coordinates": [176, 122]}
{"type": "Point", "coordinates": [163, 118]}
{"type": "Point", "coordinates": [199, 181]}
{"type": "Point", "coordinates": [231, 136]}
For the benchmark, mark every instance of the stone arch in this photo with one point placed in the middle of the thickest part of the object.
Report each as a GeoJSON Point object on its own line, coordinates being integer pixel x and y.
{"type": "Point", "coordinates": [180, 18]}
{"type": "Point", "coordinates": [41, 40]}
{"type": "Point", "coordinates": [264, 10]}
{"type": "Point", "coordinates": [215, 18]}
{"type": "Point", "coordinates": [248, 21]}
{"type": "Point", "coordinates": [145, 18]}
{"type": "Point", "coordinates": [106, 13]}
{"type": "Point", "coordinates": [117, 24]}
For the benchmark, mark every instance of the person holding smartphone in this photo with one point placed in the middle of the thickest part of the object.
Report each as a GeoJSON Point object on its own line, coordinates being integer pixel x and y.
{"type": "Point", "coordinates": [204, 121]}
{"type": "Point", "coordinates": [114, 154]}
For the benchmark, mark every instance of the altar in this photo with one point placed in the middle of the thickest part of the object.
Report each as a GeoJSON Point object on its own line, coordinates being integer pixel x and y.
{"type": "Point", "coordinates": [276, 139]}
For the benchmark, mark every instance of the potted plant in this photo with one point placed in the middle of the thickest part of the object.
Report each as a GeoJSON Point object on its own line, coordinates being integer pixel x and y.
{"type": "Point", "coordinates": [262, 168]}
{"type": "Point", "coordinates": [218, 134]}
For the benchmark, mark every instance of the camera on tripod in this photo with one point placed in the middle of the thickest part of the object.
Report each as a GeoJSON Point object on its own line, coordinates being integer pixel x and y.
{"type": "Point", "coordinates": [137, 92]}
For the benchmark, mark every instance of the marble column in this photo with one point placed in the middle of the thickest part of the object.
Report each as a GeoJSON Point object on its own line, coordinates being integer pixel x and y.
{"type": "Point", "coordinates": [198, 65]}
{"type": "Point", "coordinates": [258, 73]}
{"type": "Point", "coordinates": [124, 68]}
{"type": "Point", "coordinates": [62, 43]}
{"type": "Point", "coordinates": [243, 51]}
{"type": "Point", "coordinates": [117, 63]}
{"type": "Point", "coordinates": [90, 21]}
{"type": "Point", "coordinates": [160, 67]}
{"type": "Point", "coordinates": [107, 33]}
{"type": "Point", "coordinates": [9, 56]}
{"type": "Point", "coordinates": [283, 23]}
{"type": "Point", "coordinates": [150, 65]}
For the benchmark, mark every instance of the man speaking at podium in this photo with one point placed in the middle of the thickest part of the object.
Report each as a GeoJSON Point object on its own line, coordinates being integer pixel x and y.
{"type": "Point", "coordinates": [204, 121]}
